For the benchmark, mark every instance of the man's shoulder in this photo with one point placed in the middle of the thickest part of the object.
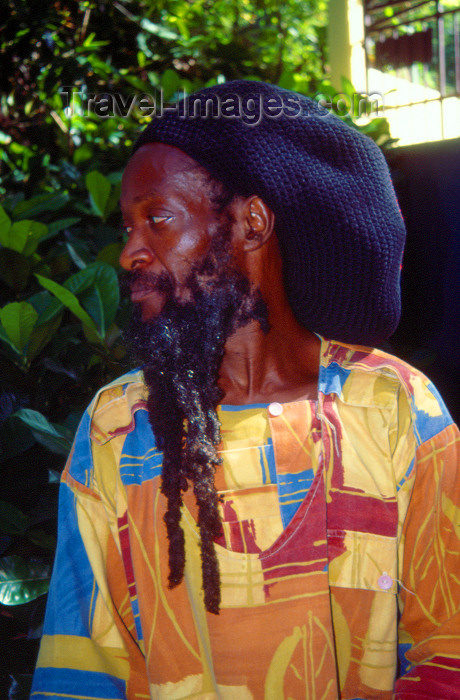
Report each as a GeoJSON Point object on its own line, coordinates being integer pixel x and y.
{"type": "Point", "coordinates": [360, 358]}
{"type": "Point", "coordinates": [112, 410]}
{"type": "Point", "coordinates": [372, 377]}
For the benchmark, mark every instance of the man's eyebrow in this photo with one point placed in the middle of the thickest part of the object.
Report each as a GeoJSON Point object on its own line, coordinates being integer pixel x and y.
{"type": "Point", "coordinates": [142, 197]}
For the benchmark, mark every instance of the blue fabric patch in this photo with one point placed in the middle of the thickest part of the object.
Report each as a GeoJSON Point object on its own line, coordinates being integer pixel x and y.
{"type": "Point", "coordinates": [140, 460]}
{"type": "Point", "coordinates": [292, 489]}
{"type": "Point", "coordinates": [269, 462]}
{"type": "Point", "coordinates": [57, 683]}
{"type": "Point", "coordinates": [137, 617]}
{"type": "Point", "coordinates": [243, 407]}
{"type": "Point", "coordinates": [427, 426]}
{"type": "Point", "coordinates": [69, 610]}
{"type": "Point", "coordinates": [404, 664]}
{"type": "Point", "coordinates": [332, 378]}
{"type": "Point", "coordinates": [82, 460]}
{"type": "Point", "coordinates": [406, 475]}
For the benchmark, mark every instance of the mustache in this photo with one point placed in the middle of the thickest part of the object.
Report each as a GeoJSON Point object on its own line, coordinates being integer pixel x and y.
{"type": "Point", "coordinates": [140, 280]}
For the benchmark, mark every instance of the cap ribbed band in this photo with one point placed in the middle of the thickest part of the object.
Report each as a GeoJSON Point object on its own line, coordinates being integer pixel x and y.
{"type": "Point", "coordinates": [337, 220]}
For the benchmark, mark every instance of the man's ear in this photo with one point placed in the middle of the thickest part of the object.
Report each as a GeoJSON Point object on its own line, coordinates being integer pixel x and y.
{"type": "Point", "coordinates": [256, 222]}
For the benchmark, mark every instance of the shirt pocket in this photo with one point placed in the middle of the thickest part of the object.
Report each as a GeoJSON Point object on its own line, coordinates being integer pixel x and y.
{"type": "Point", "coordinates": [363, 560]}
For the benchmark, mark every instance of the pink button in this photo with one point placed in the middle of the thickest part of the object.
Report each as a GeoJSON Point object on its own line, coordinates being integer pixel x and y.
{"type": "Point", "coordinates": [385, 581]}
{"type": "Point", "coordinates": [275, 409]}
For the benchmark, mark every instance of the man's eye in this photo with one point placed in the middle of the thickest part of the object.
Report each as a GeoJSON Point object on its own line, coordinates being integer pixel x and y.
{"type": "Point", "coordinates": [128, 229]}
{"type": "Point", "coordinates": [160, 219]}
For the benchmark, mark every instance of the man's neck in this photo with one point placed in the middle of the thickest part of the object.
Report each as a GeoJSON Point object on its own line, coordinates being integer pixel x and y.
{"type": "Point", "coordinates": [281, 365]}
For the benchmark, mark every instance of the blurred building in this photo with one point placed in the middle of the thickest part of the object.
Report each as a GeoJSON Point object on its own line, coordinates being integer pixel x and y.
{"type": "Point", "coordinates": [407, 52]}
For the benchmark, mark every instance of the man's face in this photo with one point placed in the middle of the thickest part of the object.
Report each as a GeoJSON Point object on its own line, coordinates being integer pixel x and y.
{"type": "Point", "coordinates": [170, 220]}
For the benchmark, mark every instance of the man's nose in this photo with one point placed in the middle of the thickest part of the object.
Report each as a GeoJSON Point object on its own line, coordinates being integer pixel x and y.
{"type": "Point", "coordinates": [136, 254]}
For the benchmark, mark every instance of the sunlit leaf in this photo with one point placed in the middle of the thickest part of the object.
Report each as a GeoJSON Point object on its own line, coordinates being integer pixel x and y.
{"type": "Point", "coordinates": [158, 30]}
{"type": "Point", "coordinates": [22, 581]}
{"type": "Point", "coordinates": [5, 225]}
{"type": "Point", "coordinates": [82, 154]}
{"type": "Point", "coordinates": [170, 81]}
{"type": "Point", "coordinates": [36, 232]}
{"type": "Point", "coordinates": [18, 320]}
{"type": "Point", "coordinates": [68, 299]}
{"type": "Point", "coordinates": [24, 236]}
{"type": "Point", "coordinates": [99, 190]}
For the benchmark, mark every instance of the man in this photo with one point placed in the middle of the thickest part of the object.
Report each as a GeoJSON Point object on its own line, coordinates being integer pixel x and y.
{"type": "Point", "coordinates": [259, 512]}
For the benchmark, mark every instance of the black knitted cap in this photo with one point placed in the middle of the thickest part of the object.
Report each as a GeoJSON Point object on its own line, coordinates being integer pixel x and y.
{"type": "Point", "coordinates": [336, 216]}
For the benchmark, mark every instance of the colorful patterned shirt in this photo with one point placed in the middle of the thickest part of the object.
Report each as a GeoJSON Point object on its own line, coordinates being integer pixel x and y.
{"type": "Point", "coordinates": [339, 556]}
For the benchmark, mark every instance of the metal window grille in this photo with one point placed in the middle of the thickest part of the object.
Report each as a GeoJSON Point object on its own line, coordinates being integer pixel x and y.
{"type": "Point", "coordinates": [413, 49]}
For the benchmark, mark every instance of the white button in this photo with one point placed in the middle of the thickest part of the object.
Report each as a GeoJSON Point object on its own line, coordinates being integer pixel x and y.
{"type": "Point", "coordinates": [275, 409]}
{"type": "Point", "coordinates": [385, 581]}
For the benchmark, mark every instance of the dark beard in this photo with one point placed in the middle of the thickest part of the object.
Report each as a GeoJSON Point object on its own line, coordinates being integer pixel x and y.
{"type": "Point", "coordinates": [181, 351]}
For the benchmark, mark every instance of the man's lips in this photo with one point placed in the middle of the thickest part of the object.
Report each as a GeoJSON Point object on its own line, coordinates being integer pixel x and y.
{"type": "Point", "coordinates": [139, 292]}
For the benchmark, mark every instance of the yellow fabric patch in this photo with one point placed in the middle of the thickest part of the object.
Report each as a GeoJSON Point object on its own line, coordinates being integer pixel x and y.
{"type": "Point", "coordinates": [79, 653]}
{"type": "Point", "coordinates": [366, 558]}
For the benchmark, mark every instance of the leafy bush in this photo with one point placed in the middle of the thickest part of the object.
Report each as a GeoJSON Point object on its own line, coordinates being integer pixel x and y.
{"type": "Point", "coordinates": [59, 341]}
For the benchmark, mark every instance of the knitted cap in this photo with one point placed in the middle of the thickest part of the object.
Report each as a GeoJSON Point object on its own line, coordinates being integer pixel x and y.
{"type": "Point", "coordinates": [336, 216]}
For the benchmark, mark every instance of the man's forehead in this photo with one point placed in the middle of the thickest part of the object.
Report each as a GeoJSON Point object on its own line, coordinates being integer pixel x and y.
{"type": "Point", "coordinates": [156, 166]}
{"type": "Point", "coordinates": [163, 156]}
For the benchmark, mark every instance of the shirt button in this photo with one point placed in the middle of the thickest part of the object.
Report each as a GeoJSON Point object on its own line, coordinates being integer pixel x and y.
{"type": "Point", "coordinates": [275, 409]}
{"type": "Point", "coordinates": [385, 581]}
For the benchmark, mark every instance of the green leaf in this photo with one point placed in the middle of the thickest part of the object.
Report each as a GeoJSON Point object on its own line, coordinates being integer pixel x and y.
{"type": "Point", "coordinates": [22, 581]}
{"type": "Point", "coordinates": [40, 204]}
{"type": "Point", "coordinates": [287, 80]}
{"type": "Point", "coordinates": [110, 254]}
{"type": "Point", "coordinates": [15, 269]}
{"type": "Point", "coordinates": [24, 236]}
{"type": "Point", "coordinates": [99, 190]}
{"type": "Point", "coordinates": [158, 30]}
{"type": "Point", "coordinates": [170, 81]}
{"type": "Point", "coordinates": [21, 683]}
{"type": "Point", "coordinates": [36, 231]}
{"type": "Point", "coordinates": [42, 539]}
{"type": "Point", "coordinates": [54, 477]}
{"type": "Point", "coordinates": [12, 520]}
{"type": "Point", "coordinates": [82, 153]}
{"type": "Point", "coordinates": [101, 300]}
{"type": "Point", "coordinates": [347, 86]}
{"type": "Point", "coordinates": [41, 335]}
{"type": "Point", "coordinates": [15, 438]}
{"type": "Point", "coordinates": [18, 320]}
{"type": "Point", "coordinates": [113, 200]}
{"type": "Point", "coordinates": [76, 257]}
{"type": "Point", "coordinates": [49, 310]}
{"type": "Point", "coordinates": [56, 226]}
{"type": "Point", "coordinates": [54, 437]}
{"type": "Point", "coordinates": [68, 299]}
{"type": "Point", "coordinates": [5, 225]}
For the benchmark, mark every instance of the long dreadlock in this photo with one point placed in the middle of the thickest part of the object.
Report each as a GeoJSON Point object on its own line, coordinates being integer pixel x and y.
{"type": "Point", "coordinates": [182, 350]}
